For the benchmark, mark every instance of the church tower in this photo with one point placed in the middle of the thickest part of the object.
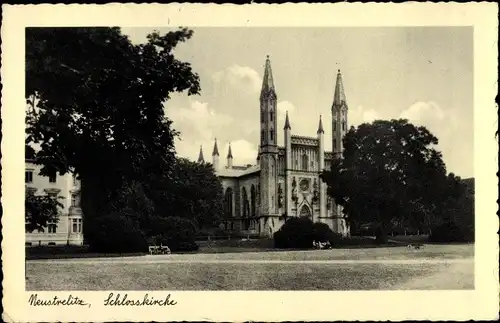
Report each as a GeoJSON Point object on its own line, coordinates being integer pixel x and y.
{"type": "Point", "coordinates": [339, 129]}
{"type": "Point", "coordinates": [339, 117]}
{"type": "Point", "coordinates": [268, 148]}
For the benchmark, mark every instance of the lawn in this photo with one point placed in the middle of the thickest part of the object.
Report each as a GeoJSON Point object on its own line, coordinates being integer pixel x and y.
{"type": "Point", "coordinates": [249, 271]}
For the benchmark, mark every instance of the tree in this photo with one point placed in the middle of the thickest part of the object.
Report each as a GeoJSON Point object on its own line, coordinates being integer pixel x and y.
{"type": "Point", "coordinates": [96, 107]}
{"type": "Point", "coordinates": [40, 211]}
{"type": "Point", "coordinates": [193, 192]}
{"type": "Point", "coordinates": [390, 172]}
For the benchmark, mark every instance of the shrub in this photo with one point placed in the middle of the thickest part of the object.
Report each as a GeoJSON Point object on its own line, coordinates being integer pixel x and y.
{"type": "Point", "coordinates": [117, 233]}
{"type": "Point", "coordinates": [177, 233]}
{"type": "Point", "coordinates": [295, 233]}
{"type": "Point", "coordinates": [301, 232]}
{"type": "Point", "coordinates": [323, 233]}
{"type": "Point", "coordinates": [449, 231]}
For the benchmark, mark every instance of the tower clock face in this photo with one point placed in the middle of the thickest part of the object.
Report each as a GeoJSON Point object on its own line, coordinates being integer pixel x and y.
{"type": "Point", "coordinates": [304, 185]}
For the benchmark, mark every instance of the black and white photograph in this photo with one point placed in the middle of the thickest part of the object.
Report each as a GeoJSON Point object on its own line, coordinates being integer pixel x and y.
{"type": "Point", "coordinates": [173, 158]}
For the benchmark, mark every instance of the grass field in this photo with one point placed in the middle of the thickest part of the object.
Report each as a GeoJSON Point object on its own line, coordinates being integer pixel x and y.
{"type": "Point", "coordinates": [433, 267]}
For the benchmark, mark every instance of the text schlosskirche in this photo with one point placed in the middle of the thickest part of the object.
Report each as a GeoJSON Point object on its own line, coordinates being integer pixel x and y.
{"type": "Point", "coordinates": [125, 300]}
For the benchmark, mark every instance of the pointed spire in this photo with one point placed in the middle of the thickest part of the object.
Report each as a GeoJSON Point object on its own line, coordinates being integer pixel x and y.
{"type": "Point", "coordinates": [320, 127]}
{"type": "Point", "coordinates": [229, 153]}
{"type": "Point", "coordinates": [216, 150]}
{"type": "Point", "coordinates": [339, 96]}
{"type": "Point", "coordinates": [267, 81]}
{"type": "Point", "coordinates": [200, 156]}
{"type": "Point", "coordinates": [287, 122]}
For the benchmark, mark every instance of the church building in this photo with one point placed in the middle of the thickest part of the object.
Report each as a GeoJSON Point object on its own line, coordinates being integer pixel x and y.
{"type": "Point", "coordinates": [285, 181]}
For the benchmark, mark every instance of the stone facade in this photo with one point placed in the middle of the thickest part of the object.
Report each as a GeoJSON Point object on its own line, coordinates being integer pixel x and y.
{"type": "Point", "coordinates": [285, 180]}
{"type": "Point", "coordinates": [69, 229]}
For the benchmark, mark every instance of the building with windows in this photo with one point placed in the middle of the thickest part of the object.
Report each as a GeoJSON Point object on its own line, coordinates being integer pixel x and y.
{"type": "Point", "coordinates": [285, 181]}
{"type": "Point", "coordinates": [68, 230]}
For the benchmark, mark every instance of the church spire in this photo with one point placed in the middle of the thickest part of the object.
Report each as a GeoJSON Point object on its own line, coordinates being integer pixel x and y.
{"type": "Point", "coordinates": [267, 82]}
{"type": "Point", "coordinates": [200, 156]}
{"type": "Point", "coordinates": [287, 122]}
{"type": "Point", "coordinates": [216, 150]}
{"type": "Point", "coordinates": [339, 96]}
{"type": "Point", "coordinates": [320, 126]}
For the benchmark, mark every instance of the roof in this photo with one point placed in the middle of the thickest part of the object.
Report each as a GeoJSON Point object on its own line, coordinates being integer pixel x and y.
{"type": "Point", "coordinates": [237, 171]}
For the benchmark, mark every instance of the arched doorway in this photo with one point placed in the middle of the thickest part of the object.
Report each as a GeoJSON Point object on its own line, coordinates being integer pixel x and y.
{"type": "Point", "coordinates": [305, 211]}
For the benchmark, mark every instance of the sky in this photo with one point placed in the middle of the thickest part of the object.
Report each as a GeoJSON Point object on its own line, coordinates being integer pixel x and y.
{"type": "Point", "coordinates": [424, 74]}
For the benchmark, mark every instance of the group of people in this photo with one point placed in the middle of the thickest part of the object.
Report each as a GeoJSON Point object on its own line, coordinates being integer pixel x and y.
{"type": "Point", "coordinates": [322, 245]}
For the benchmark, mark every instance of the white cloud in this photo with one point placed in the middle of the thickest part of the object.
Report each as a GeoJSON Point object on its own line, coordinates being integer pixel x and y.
{"type": "Point", "coordinates": [239, 78]}
{"type": "Point", "coordinates": [197, 123]}
{"type": "Point", "coordinates": [454, 143]}
{"type": "Point", "coordinates": [422, 111]}
{"type": "Point", "coordinates": [244, 152]}
{"type": "Point", "coordinates": [361, 115]}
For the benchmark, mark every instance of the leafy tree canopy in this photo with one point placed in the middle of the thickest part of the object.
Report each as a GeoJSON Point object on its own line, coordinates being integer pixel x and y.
{"type": "Point", "coordinates": [96, 99]}
{"type": "Point", "coordinates": [198, 193]}
{"type": "Point", "coordinates": [40, 210]}
{"type": "Point", "coordinates": [391, 172]}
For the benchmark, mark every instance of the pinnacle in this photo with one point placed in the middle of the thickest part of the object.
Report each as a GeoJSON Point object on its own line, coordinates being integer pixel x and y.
{"type": "Point", "coordinates": [287, 122]}
{"type": "Point", "coordinates": [320, 126]}
{"type": "Point", "coordinates": [216, 149]}
{"type": "Point", "coordinates": [200, 156]}
{"type": "Point", "coordinates": [229, 153]}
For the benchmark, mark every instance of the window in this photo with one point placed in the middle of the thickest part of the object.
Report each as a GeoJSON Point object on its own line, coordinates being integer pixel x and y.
{"type": "Point", "coordinates": [305, 161]}
{"type": "Point", "coordinates": [271, 134]}
{"type": "Point", "coordinates": [334, 126]}
{"type": "Point", "coordinates": [271, 116]}
{"type": "Point", "coordinates": [52, 178]}
{"type": "Point", "coordinates": [28, 176]}
{"type": "Point", "coordinates": [77, 225]}
{"type": "Point", "coordinates": [52, 227]}
{"type": "Point", "coordinates": [334, 144]}
{"type": "Point", "coordinates": [75, 200]}
{"type": "Point", "coordinates": [262, 135]}
{"type": "Point", "coordinates": [343, 125]}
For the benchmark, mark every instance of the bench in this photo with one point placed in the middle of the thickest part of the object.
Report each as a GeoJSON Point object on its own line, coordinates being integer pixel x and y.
{"type": "Point", "coordinates": [159, 250]}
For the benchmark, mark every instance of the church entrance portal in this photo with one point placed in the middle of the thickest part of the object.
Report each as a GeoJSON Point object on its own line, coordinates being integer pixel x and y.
{"type": "Point", "coordinates": [305, 211]}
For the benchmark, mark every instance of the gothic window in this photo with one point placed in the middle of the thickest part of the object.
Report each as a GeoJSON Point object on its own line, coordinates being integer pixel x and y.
{"type": "Point", "coordinates": [305, 162]}
{"type": "Point", "coordinates": [228, 203]}
{"type": "Point", "coordinates": [271, 116]}
{"type": "Point", "coordinates": [245, 201]}
{"type": "Point", "coordinates": [252, 197]}
{"type": "Point", "coordinates": [271, 132]}
{"type": "Point", "coordinates": [343, 125]}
